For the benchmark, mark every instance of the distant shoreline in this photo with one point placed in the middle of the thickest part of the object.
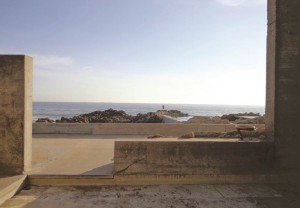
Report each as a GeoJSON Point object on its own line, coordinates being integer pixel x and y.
{"type": "Point", "coordinates": [56, 110]}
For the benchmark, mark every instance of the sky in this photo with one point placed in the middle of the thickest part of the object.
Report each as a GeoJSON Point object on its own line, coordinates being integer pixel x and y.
{"type": "Point", "coordinates": [133, 51]}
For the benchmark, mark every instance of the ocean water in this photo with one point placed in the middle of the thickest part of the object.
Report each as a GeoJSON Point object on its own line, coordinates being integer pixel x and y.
{"type": "Point", "coordinates": [56, 110]}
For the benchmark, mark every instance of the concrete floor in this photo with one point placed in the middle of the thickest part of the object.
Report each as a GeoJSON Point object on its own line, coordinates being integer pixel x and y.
{"type": "Point", "coordinates": [62, 154]}
{"type": "Point", "coordinates": [188, 196]}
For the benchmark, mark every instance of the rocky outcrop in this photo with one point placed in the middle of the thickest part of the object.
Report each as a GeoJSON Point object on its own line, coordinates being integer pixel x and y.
{"type": "Point", "coordinates": [259, 133]}
{"type": "Point", "coordinates": [257, 120]}
{"type": "Point", "coordinates": [236, 116]}
{"type": "Point", "coordinates": [147, 118]}
{"type": "Point", "coordinates": [239, 118]}
{"type": "Point", "coordinates": [45, 120]}
{"type": "Point", "coordinates": [233, 134]}
{"type": "Point", "coordinates": [172, 113]}
{"type": "Point", "coordinates": [208, 120]}
{"type": "Point", "coordinates": [107, 116]}
{"type": "Point", "coordinates": [112, 116]}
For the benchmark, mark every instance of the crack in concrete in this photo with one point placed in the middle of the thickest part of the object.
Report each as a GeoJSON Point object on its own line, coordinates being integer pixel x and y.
{"type": "Point", "coordinates": [128, 166]}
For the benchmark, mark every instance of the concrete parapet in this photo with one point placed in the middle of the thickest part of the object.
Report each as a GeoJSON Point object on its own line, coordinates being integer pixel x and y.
{"type": "Point", "coordinates": [61, 128]}
{"type": "Point", "coordinates": [191, 158]}
{"type": "Point", "coordinates": [130, 128]}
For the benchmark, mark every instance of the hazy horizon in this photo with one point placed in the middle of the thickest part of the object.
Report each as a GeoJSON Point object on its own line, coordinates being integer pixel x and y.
{"type": "Point", "coordinates": [156, 51]}
{"type": "Point", "coordinates": [212, 104]}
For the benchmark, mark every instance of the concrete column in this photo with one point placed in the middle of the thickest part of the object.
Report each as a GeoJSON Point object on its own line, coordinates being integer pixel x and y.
{"type": "Point", "coordinates": [15, 114]}
{"type": "Point", "coordinates": [283, 83]}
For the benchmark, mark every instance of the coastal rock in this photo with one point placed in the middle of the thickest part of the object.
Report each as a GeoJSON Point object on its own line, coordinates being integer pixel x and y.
{"type": "Point", "coordinates": [147, 118]}
{"type": "Point", "coordinates": [257, 120]}
{"type": "Point", "coordinates": [112, 116]}
{"type": "Point", "coordinates": [208, 120]}
{"type": "Point", "coordinates": [188, 136]}
{"type": "Point", "coordinates": [230, 117]}
{"type": "Point", "coordinates": [240, 116]}
{"type": "Point", "coordinates": [155, 136]}
{"type": "Point", "coordinates": [233, 134]}
{"type": "Point", "coordinates": [45, 120]}
{"type": "Point", "coordinates": [172, 113]}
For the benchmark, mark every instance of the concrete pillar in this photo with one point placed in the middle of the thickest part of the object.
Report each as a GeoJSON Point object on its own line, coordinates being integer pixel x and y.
{"type": "Point", "coordinates": [15, 114]}
{"type": "Point", "coordinates": [283, 83]}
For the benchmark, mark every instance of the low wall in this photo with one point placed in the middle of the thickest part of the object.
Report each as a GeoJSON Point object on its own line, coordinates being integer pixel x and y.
{"type": "Point", "coordinates": [129, 128]}
{"type": "Point", "coordinates": [191, 157]}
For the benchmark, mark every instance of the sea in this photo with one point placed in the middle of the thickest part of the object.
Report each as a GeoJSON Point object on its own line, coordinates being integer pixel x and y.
{"type": "Point", "coordinates": [56, 110]}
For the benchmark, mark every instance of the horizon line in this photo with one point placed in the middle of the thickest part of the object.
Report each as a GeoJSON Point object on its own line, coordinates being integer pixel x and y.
{"type": "Point", "coordinates": [258, 105]}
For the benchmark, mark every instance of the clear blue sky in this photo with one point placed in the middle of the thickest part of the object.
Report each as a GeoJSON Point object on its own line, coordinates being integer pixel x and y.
{"type": "Point", "coordinates": [150, 51]}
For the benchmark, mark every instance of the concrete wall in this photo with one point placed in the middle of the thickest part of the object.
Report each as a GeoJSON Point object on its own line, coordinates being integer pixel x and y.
{"type": "Point", "coordinates": [281, 156]}
{"type": "Point", "coordinates": [191, 158]}
{"type": "Point", "coordinates": [129, 129]}
{"type": "Point", "coordinates": [283, 92]}
{"type": "Point", "coordinates": [15, 113]}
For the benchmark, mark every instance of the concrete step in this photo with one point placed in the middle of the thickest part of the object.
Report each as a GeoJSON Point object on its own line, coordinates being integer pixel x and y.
{"type": "Point", "coordinates": [70, 180]}
{"type": "Point", "coordinates": [140, 180]}
{"type": "Point", "coordinates": [10, 185]}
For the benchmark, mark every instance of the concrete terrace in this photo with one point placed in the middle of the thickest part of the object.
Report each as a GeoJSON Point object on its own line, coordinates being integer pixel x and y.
{"type": "Point", "coordinates": [211, 168]}
{"type": "Point", "coordinates": [78, 154]}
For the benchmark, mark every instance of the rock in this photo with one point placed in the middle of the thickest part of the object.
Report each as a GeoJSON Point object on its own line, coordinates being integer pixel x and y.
{"type": "Point", "coordinates": [188, 136]}
{"type": "Point", "coordinates": [155, 136]}
{"type": "Point", "coordinates": [45, 120]}
{"type": "Point", "coordinates": [257, 120]}
{"type": "Point", "coordinates": [172, 113]}
{"type": "Point", "coordinates": [233, 134]}
{"type": "Point", "coordinates": [112, 116]}
{"type": "Point", "coordinates": [208, 120]}
{"type": "Point", "coordinates": [230, 117]}
{"type": "Point", "coordinates": [147, 118]}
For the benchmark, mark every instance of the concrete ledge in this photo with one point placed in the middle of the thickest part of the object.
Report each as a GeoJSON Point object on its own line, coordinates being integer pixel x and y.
{"type": "Point", "coordinates": [10, 185]}
{"type": "Point", "coordinates": [130, 128]}
{"type": "Point", "coordinates": [191, 158]}
{"type": "Point", "coordinates": [49, 128]}
{"type": "Point", "coordinates": [163, 180]}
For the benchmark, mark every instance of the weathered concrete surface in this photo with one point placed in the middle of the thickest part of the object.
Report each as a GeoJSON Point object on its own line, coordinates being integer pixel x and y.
{"type": "Point", "coordinates": [72, 154]}
{"type": "Point", "coordinates": [76, 154]}
{"type": "Point", "coordinates": [16, 113]}
{"type": "Point", "coordinates": [206, 196]}
{"type": "Point", "coordinates": [217, 157]}
{"type": "Point", "coordinates": [130, 128]}
{"type": "Point", "coordinates": [283, 85]}
{"type": "Point", "coordinates": [10, 185]}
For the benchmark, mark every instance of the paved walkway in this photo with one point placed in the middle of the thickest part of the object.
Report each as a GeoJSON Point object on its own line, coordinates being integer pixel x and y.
{"type": "Point", "coordinates": [192, 196]}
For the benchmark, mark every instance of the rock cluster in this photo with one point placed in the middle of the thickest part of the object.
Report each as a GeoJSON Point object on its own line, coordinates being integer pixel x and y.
{"type": "Point", "coordinates": [208, 120]}
{"type": "Point", "coordinates": [259, 133]}
{"type": "Point", "coordinates": [257, 120]}
{"type": "Point", "coordinates": [172, 113]}
{"type": "Point", "coordinates": [239, 118]}
{"type": "Point", "coordinates": [233, 134]}
{"type": "Point", "coordinates": [44, 120]}
{"type": "Point", "coordinates": [146, 118]}
{"type": "Point", "coordinates": [236, 116]}
{"type": "Point", "coordinates": [112, 116]}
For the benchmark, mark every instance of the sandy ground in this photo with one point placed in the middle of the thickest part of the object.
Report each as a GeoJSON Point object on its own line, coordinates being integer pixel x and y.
{"type": "Point", "coordinates": [189, 196]}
